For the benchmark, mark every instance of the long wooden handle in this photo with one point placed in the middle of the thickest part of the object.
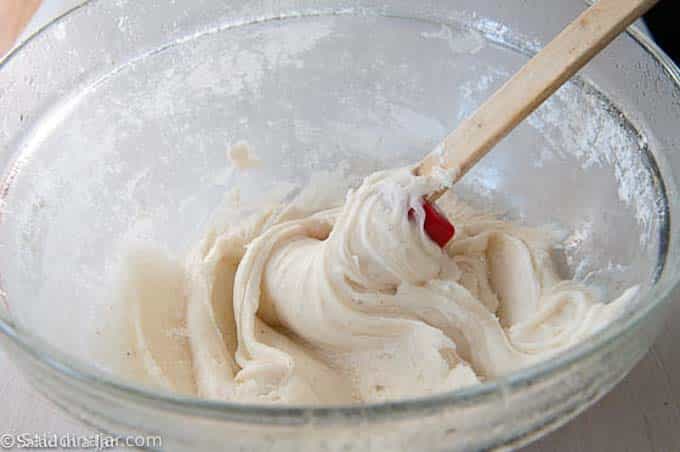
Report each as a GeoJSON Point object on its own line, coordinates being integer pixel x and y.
{"type": "Point", "coordinates": [534, 83]}
{"type": "Point", "coordinates": [14, 15]}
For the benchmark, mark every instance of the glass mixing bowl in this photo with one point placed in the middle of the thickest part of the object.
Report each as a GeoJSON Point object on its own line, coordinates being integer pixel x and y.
{"type": "Point", "coordinates": [116, 119]}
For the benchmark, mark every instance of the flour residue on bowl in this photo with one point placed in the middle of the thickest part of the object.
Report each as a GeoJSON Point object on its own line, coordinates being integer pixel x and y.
{"type": "Point", "coordinates": [459, 41]}
{"type": "Point", "coordinates": [579, 121]}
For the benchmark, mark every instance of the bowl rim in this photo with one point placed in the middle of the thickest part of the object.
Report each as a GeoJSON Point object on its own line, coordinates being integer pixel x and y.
{"type": "Point", "coordinates": [71, 368]}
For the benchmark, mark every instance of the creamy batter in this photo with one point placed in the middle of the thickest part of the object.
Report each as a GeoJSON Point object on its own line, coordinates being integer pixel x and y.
{"type": "Point", "coordinates": [322, 302]}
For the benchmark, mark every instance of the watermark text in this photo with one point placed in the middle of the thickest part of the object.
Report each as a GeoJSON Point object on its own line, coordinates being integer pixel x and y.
{"type": "Point", "coordinates": [95, 441]}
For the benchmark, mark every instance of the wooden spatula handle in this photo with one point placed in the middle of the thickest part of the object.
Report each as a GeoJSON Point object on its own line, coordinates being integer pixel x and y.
{"type": "Point", "coordinates": [14, 15]}
{"type": "Point", "coordinates": [534, 83]}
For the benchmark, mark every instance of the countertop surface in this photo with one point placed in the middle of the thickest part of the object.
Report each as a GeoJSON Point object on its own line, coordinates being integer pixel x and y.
{"type": "Point", "coordinates": [641, 414]}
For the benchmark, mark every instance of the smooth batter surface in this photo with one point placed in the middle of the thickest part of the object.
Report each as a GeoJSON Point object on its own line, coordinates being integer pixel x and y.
{"type": "Point", "coordinates": [309, 303]}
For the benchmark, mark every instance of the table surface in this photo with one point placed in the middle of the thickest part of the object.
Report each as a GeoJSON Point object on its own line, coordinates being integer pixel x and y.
{"type": "Point", "coordinates": [641, 414]}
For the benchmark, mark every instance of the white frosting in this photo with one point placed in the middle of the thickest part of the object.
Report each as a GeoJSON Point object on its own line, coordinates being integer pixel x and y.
{"type": "Point", "coordinates": [304, 305]}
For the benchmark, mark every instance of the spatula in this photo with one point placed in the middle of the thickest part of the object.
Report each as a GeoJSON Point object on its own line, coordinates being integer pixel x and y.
{"type": "Point", "coordinates": [549, 69]}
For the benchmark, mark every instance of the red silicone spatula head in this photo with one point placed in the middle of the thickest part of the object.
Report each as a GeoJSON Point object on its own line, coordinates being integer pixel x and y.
{"type": "Point", "coordinates": [436, 225]}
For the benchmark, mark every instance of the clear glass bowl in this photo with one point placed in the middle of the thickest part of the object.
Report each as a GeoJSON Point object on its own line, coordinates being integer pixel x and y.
{"type": "Point", "coordinates": [115, 123]}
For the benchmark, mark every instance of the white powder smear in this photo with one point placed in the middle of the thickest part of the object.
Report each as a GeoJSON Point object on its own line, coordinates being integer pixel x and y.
{"type": "Point", "coordinates": [603, 140]}
{"type": "Point", "coordinates": [464, 41]}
